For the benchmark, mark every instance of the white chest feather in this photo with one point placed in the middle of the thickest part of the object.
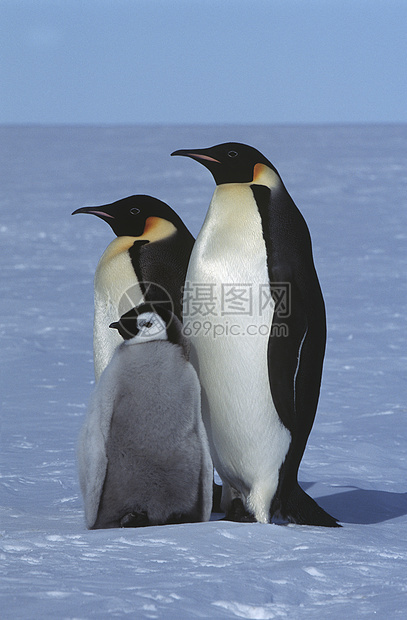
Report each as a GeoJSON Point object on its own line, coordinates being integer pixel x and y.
{"type": "Point", "coordinates": [116, 292]}
{"type": "Point", "coordinates": [230, 335]}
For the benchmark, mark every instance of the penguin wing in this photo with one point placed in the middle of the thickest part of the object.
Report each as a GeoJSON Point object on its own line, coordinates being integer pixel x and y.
{"type": "Point", "coordinates": [296, 344]}
{"type": "Point", "coordinates": [92, 457]}
{"type": "Point", "coordinates": [161, 267]}
{"type": "Point", "coordinates": [285, 354]}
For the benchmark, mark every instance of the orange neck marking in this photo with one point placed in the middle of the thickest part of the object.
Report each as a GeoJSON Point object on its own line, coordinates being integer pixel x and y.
{"type": "Point", "coordinates": [157, 228]}
{"type": "Point", "coordinates": [263, 175]}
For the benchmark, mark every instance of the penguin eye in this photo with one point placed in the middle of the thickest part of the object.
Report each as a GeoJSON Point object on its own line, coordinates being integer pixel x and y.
{"type": "Point", "coordinates": [147, 324]}
{"type": "Point", "coordinates": [134, 211]}
{"type": "Point", "coordinates": [233, 154]}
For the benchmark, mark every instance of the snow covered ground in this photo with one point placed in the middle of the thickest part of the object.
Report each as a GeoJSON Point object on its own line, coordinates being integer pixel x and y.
{"type": "Point", "coordinates": [351, 185]}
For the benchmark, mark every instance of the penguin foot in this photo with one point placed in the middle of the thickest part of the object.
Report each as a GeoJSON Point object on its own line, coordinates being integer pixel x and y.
{"type": "Point", "coordinates": [300, 508]}
{"type": "Point", "coordinates": [135, 519]}
{"type": "Point", "coordinates": [237, 512]}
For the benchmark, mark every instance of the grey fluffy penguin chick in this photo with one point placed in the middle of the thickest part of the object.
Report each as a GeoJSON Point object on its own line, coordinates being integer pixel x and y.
{"type": "Point", "coordinates": [143, 453]}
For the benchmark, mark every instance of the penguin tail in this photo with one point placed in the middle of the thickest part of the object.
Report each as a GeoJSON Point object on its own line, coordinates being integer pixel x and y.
{"type": "Point", "coordinates": [300, 508]}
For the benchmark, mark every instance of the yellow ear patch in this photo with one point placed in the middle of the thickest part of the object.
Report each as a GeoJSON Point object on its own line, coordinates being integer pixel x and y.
{"type": "Point", "coordinates": [157, 228]}
{"type": "Point", "coordinates": [263, 175]}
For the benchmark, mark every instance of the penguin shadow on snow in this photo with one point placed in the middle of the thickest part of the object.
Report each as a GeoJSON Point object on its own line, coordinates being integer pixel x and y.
{"type": "Point", "coordinates": [363, 506]}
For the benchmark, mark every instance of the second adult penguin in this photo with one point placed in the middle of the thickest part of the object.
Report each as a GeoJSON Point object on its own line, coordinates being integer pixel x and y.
{"type": "Point", "coordinates": [147, 262]}
{"type": "Point", "coordinates": [259, 356]}
{"type": "Point", "coordinates": [143, 452]}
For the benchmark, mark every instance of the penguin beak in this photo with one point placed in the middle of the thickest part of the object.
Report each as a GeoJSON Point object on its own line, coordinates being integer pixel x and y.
{"type": "Point", "coordinates": [197, 155]}
{"type": "Point", "coordinates": [114, 325]}
{"type": "Point", "coordinates": [94, 211]}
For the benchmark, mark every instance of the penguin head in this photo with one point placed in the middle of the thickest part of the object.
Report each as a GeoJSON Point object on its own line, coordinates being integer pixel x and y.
{"type": "Point", "coordinates": [130, 216]}
{"type": "Point", "coordinates": [150, 321]}
{"type": "Point", "coordinates": [142, 323]}
{"type": "Point", "coordinates": [231, 162]}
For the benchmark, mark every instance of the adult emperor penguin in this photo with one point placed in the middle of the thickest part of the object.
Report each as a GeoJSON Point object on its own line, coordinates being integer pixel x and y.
{"type": "Point", "coordinates": [143, 451]}
{"type": "Point", "coordinates": [259, 339]}
{"type": "Point", "coordinates": [146, 262]}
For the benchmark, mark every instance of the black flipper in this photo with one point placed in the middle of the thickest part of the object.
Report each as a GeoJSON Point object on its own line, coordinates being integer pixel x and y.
{"type": "Point", "coordinates": [295, 357]}
{"type": "Point", "coordinates": [161, 268]}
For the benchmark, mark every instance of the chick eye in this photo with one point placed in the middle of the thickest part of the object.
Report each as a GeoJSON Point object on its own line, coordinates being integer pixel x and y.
{"type": "Point", "coordinates": [134, 211]}
{"type": "Point", "coordinates": [233, 154]}
{"type": "Point", "coordinates": [147, 324]}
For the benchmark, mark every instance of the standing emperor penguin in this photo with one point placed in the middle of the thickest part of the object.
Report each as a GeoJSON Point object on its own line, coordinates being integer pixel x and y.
{"type": "Point", "coordinates": [146, 262]}
{"type": "Point", "coordinates": [143, 452]}
{"type": "Point", "coordinates": [259, 340]}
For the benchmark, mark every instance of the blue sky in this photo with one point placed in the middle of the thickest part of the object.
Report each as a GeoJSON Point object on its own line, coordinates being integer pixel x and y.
{"type": "Point", "coordinates": [203, 61]}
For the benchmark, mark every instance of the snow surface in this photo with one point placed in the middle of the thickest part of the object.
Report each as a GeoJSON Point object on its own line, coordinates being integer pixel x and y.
{"type": "Point", "coordinates": [351, 185]}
